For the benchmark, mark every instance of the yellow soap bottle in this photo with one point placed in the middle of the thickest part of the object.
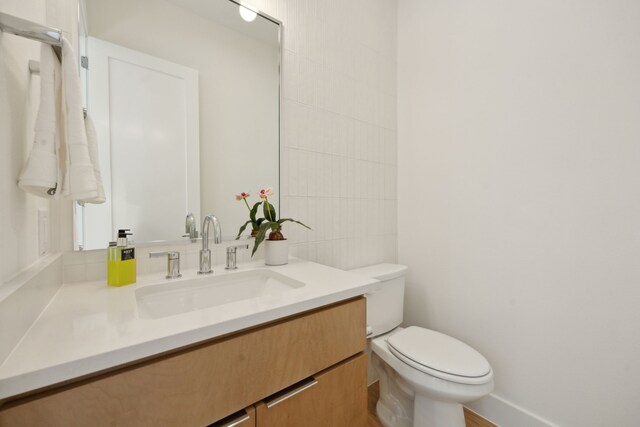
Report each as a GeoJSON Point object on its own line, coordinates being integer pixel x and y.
{"type": "Point", "coordinates": [121, 261]}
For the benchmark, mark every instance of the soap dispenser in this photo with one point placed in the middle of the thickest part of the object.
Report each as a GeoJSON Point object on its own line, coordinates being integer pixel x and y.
{"type": "Point", "coordinates": [121, 263]}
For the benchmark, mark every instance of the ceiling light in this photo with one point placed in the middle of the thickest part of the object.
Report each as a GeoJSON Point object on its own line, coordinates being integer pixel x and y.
{"type": "Point", "coordinates": [247, 14]}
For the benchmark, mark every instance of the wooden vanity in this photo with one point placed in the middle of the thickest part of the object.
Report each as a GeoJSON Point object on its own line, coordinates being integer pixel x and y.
{"type": "Point", "coordinates": [305, 370]}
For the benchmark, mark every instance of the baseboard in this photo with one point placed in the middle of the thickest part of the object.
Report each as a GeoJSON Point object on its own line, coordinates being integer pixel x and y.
{"type": "Point", "coordinates": [506, 414]}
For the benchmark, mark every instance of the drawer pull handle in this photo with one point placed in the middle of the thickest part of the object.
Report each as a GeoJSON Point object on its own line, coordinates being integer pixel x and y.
{"type": "Point", "coordinates": [234, 422]}
{"type": "Point", "coordinates": [279, 399]}
{"type": "Point", "coordinates": [239, 421]}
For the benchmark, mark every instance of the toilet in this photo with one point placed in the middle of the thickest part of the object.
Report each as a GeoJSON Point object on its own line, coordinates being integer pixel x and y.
{"type": "Point", "coordinates": [425, 376]}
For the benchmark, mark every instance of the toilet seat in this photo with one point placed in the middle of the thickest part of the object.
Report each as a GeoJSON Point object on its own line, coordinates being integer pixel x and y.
{"type": "Point", "coordinates": [439, 355]}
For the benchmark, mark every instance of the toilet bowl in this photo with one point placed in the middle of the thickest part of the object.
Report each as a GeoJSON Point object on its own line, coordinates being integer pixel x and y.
{"type": "Point", "coordinates": [425, 376]}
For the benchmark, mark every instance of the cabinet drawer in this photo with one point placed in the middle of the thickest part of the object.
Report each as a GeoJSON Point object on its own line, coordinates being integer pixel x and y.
{"type": "Point", "coordinates": [336, 397]}
{"type": "Point", "coordinates": [202, 384]}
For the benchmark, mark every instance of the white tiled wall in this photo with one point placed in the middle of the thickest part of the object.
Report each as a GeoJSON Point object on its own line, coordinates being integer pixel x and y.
{"type": "Point", "coordinates": [338, 160]}
{"type": "Point", "coordinates": [91, 265]}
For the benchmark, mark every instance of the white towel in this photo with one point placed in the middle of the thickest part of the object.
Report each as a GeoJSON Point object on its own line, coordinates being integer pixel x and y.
{"type": "Point", "coordinates": [64, 159]}
{"type": "Point", "coordinates": [40, 174]}
{"type": "Point", "coordinates": [92, 139]}
{"type": "Point", "coordinates": [79, 175]}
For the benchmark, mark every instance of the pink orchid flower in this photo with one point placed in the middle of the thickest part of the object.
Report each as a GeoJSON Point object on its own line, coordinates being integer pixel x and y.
{"type": "Point", "coordinates": [266, 192]}
{"type": "Point", "coordinates": [242, 195]}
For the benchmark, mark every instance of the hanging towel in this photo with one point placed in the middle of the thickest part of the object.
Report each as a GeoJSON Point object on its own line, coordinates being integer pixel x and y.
{"type": "Point", "coordinates": [92, 140]}
{"type": "Point", "coordinates": [40, 174]}
{"type": "Point", "coordinates": [63, 162]}
{"type": "Point", "coordinates": [79, 180]}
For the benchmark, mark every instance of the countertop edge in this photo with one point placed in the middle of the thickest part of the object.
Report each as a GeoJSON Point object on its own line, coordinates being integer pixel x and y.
{"type": "Point", "coordinates": [51, 376]}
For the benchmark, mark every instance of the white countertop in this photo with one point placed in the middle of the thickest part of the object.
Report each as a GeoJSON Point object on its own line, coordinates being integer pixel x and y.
{"type": "Point", "coordinates": [90, 327]}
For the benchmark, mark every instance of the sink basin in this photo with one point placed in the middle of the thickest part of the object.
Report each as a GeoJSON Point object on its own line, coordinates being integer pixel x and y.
{"type": "Point", "coordinates": [176, 297]}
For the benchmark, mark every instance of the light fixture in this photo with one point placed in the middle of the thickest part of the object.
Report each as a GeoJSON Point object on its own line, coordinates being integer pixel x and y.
{"type": "Point", "coordinates": [247, 13]}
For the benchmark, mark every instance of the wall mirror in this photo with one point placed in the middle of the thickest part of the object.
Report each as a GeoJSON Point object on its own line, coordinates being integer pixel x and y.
{"type": "Point", "coordinates": [185, 98]}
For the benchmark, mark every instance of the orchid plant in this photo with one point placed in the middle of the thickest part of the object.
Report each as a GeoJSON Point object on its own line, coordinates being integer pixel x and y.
{"type": "Point", "coordinates": [253, 211]}
{"type": "Point", "coordinates": [269, 222]}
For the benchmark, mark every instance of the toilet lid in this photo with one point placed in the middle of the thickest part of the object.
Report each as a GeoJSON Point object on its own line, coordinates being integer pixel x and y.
{"type": "Point", "coordinates": [439, 355]}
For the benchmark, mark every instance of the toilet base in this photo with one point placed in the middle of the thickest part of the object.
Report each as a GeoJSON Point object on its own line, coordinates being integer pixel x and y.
{"type": "Point", "coordinates": [432, 413]}
{"type": "Point", "coordinates": [427, 412]}
{"type": "Point", "coordinates": [395, 405]}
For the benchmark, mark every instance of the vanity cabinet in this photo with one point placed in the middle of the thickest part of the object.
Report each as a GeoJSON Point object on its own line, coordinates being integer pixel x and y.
{"type": "Point", "coordinates": [331, 398]}
{"type": "Point", "coordinates": [200, 385]}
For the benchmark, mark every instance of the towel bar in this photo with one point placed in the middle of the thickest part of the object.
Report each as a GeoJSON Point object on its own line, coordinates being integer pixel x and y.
{"type": "Point", "coordinates": [31, 30]}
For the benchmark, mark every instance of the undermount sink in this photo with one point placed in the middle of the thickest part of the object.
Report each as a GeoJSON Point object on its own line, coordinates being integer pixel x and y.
{"type": "Point", "coordinates": [176, 297]}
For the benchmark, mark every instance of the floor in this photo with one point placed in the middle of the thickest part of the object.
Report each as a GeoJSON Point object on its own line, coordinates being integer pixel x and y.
{"type": "Point", "coordinates": [471, 418]}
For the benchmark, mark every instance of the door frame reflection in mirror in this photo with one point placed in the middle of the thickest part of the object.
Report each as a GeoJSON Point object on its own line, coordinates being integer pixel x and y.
{"type": "Point", "coordinates": [230, 227]}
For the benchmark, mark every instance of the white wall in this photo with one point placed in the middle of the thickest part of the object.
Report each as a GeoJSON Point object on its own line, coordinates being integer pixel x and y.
{"type": "Point", "coordinates": [19, 100]}
{"type": "Point", "coordinates": [519, 214]}
{"type": "Point", "coordinates": [339, 128]}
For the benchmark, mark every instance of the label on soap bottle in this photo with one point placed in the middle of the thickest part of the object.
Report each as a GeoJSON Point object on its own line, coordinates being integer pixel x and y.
{"type": "Point", "coordinates": [127, 254]}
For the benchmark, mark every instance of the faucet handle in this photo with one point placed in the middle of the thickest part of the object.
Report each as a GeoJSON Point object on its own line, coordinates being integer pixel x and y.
{"type": "Point", "coordinates": [173, 263]}
{"type": "Point", "coordinates": [231, 256]}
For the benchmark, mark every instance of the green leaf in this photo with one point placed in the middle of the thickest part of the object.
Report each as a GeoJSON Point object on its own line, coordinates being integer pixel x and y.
{"type": "Point", "coordinates": [262, 231]}
{"type": "Point", "coordinates": [254, 211]}
{"type": "Point", "coordinates": [244, 226]}
{"type": "Point", "coordinates": [269, 211]}
{"type": "Point", "coordinates": [281, 220]}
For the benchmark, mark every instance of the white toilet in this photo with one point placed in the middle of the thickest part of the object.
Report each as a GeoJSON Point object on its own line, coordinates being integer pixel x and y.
{"type": "Point", "coordinates": [425, 376]}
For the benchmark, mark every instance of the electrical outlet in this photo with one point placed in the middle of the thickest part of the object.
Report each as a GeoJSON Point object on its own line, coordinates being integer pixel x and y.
{"type": "Point", "coordinates": [43, 231]}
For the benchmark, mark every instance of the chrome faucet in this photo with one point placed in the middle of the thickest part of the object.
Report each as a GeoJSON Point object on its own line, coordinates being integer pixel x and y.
{"type": "Point", "coordinates": [231, 256]}
{"type": "Point", "coordinates": [190, 227]}
{"type": "Point", "coordinates": [173, 263]}
{"type": "Point", "coordinates": [205, 252]}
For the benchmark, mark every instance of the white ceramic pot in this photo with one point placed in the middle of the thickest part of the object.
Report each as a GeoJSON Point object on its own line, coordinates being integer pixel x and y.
{"type": "Point", "coordinates": [276, 252]}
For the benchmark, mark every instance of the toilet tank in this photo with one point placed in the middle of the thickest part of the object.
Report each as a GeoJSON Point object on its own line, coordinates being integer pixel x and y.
{"type": "Point", "coordinates": [385, 304]}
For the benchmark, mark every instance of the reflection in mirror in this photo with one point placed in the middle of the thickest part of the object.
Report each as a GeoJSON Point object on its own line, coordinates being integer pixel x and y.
{"type": "Point", "coordinates": [185, 99]}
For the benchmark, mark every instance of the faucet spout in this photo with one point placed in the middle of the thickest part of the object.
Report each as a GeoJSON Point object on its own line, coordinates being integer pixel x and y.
{"type": "Point", "coordinates": [205, 252]}
{"type": "Point", "coordinates": [190, 227]}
